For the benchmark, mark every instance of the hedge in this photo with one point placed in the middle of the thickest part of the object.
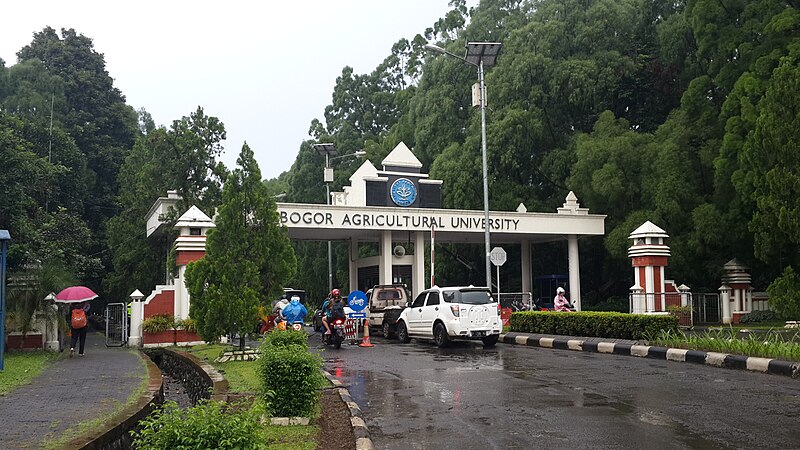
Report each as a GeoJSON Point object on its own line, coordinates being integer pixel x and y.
{"type": "Point", "coordinates": [592, 324]}
{"type": "Point", "coordinates": [290, 376]}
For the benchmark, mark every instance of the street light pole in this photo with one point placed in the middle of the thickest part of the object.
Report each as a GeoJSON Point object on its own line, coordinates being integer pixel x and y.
{"type": "Point", "coordinates": [478, 55]}
{"type": "Point", "coordinates": [330, 152]}
{"type": "Point", "coordinates": [485, 180]}
{"type": "Point", "coordinates": [328, 202]}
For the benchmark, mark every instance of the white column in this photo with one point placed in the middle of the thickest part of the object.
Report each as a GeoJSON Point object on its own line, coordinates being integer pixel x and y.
{"type": "Point", "coordinates": [352, 268]}
{"type": "Point", "coordinates": [135, 333]}
{"type": "Point", "coordinates": [750, 299]}
{"type": "Point", "coordinates": [385, 267]}
{"type": "Point", "coordinates": [51, 331]}
{"type": "Point", "coordinates": [419, 264]}
{"type": "Point", "coordinates": [525, 265]}
{"type": "Point", "coordinates": [725, 298]}
{"type": "Point", "coordinates": [181, 295]}
{"type": "Point", "coordinates": [737, 300]}
{"type": "Point", "coordinates": [574, 272]}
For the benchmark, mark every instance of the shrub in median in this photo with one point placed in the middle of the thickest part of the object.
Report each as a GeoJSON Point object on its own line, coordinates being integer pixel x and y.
{"type": "Point", "coordinates": [207, 425]}
{"type": "Point", "coordinates": [286, 338]}
{"type": "Point", "coordinates": [592, 324]}
{"type": "Point", "coordinates": [290, 376]}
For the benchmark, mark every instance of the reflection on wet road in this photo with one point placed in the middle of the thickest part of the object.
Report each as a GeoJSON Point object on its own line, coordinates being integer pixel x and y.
{"type": "Point", "coordinates": [416, 396]}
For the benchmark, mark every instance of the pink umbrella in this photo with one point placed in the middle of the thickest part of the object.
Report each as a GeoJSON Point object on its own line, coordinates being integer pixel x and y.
{"type": "Point", "coordinates": [75, 294]}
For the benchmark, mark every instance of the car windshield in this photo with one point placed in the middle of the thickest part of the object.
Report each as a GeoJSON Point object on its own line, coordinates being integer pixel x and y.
{"type": "Point", "coordinates": [468, 296]}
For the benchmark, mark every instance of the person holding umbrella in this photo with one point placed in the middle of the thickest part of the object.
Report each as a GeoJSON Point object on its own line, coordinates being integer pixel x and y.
{"type": "Point", "coordinates": [78, 298]}
{"type": "Point", "coordinates": [79, 325]}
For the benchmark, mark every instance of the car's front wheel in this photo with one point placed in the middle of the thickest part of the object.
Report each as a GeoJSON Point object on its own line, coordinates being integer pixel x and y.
{"type": "Point", "coordinates": [490, 341]}
{"type": "Point", "coordinates": [440, 336]}
{"type": "Point", "coordinates": [402, 333]}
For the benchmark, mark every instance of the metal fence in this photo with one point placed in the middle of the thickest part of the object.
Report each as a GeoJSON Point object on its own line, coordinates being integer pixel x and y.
{"type": "Point", "coordinates": [116, 325]}
{"type": "Point", "coordinates": [660, 302]}
{"type": "Point", "coordinates": [517, 301]}
{"type": "Point", "coordinates": [707, 308]}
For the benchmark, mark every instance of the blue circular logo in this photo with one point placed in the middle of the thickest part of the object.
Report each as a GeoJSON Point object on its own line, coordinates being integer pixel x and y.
{"type": "Point", "coordinates": [357, 300]}
{"type": "Point", "coordinates": [403, 192]}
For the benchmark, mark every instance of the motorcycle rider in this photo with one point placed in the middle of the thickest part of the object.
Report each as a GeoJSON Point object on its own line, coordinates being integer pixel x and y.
{"type": "Point", "coordinates": [560, 303]}
{"type": "Point", "coordinates": [334, 298]}
{"type": "Point", "coordinates": [294, 311]}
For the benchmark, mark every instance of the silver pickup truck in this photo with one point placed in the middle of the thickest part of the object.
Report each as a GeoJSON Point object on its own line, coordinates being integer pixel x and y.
{"type": "Point", "coordinates": [385, 303]}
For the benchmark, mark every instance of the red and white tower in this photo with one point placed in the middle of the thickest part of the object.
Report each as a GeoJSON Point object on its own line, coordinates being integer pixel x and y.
{"type": "Point", "coordinates": [190, 245]}
{"type": "Point", "coordinates": [649, 257]}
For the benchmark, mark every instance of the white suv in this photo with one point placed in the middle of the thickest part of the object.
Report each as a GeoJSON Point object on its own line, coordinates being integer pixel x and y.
{"type": "Point", "coordinates": [445, 313]}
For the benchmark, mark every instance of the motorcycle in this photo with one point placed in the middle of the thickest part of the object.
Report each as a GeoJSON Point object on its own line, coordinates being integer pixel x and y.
{"type": "Point", "coordinates": [297, 325]}
{"type": "Point", "coordinates": [337, 334]}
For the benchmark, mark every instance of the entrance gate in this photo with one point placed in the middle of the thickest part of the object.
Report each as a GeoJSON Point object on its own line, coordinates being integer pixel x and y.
{"type": "Point", "coordinates": [707, 308]}
{"type": "Point", "coordinates": [116, 325]}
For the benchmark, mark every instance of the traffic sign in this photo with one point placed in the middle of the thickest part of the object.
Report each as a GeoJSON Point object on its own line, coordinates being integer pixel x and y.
{"type": "Point", "coordinates": [360, 315]}
{"type": "Point", "coordinates": [498, 256]}
{"type": "Point", "coordinates": [357, 300]}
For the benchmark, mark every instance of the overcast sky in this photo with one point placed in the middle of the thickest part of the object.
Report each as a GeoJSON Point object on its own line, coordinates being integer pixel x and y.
{"type": "Point", "coordinates": [266, 69]}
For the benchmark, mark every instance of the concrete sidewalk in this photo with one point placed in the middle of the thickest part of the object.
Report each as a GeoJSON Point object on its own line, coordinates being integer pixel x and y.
{"type": "Point", "coordinates": [71, 390]}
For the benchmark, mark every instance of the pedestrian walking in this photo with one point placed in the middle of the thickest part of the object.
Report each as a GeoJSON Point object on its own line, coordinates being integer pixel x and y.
{"type": "Point", "coordinates": [79, 325]}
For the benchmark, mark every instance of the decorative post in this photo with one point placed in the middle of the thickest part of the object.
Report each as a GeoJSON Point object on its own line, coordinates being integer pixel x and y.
{"type": "Point", "coordinates": [649, 256]}
{"type": "Point", "coordinates": [685, 295]}
{"type": "Point", "coordinates": [725, 299]}
{"type": "Point", "coordinates": [137, 317]}
{"type": "Point", "coordinates": [637, 301]}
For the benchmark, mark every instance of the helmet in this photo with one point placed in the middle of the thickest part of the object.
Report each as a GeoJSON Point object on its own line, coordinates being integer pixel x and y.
{"type": "Point", "coordinates": [295, 299]}
{"type": "Point", "coordinates": [335, 293]}
{"type": "Point", "coordinates": [560, 290]}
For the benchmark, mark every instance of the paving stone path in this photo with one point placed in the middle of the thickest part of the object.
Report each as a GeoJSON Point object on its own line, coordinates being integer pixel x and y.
{"type": "Point", "coordinates": [70, 391]}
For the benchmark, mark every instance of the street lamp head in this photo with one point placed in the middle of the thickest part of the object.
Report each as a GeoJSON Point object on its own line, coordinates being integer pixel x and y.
{"type": "Point", "coordinates": [434, 48]}
{"type": "Point", "coordinates": [360, 153]}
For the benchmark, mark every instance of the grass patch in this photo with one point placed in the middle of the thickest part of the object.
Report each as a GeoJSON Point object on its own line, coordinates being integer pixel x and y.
{"type": "Point", "coordinates": [109, 415]}
{"type": "Point", "coordinates": [22, 367]}
{"type": "Point", "coordinates": [774, 325]}
{"type": "Point", "coordinates": [241, 375]}
{"type": "Point", "coordinates": [766, 346]}
{"type": "Point", "coordinates": [298, 437]}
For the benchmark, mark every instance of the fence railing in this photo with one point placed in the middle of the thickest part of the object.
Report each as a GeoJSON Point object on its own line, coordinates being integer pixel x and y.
{"type": "Point", "coordinates": [660, 303]}
{"type": "Point", "coordinates": [517, 301]}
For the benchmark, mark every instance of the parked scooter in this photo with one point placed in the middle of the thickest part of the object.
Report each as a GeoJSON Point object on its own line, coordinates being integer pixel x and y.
{"type": "Point", "coordinates": [337, 334]}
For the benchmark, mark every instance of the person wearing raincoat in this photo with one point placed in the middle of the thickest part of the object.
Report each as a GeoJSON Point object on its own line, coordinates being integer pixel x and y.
{"type": "Point", "coordinates": [560, 303]}
{"type": "Point", "coordinates": [294, 311]}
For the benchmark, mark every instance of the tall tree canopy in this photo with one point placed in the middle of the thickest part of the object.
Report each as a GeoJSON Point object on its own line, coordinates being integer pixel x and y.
{"type": "Point", "coordinates": [248, 257]}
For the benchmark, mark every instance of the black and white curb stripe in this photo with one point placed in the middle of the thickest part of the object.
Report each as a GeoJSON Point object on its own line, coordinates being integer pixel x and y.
{"type": "Point", "coordinates": [755, 364]}
{"type": "Point", "coordinates": [360, 430]}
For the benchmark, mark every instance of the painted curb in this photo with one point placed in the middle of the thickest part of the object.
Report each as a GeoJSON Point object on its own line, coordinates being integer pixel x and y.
{"type": "Point", "coordinates": [360, 429]}
{"type": "Point", "coordinates": [750, 363]}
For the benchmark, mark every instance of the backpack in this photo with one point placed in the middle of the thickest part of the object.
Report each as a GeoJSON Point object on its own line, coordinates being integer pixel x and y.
{"type": "Point", "coordinates": [78, 318]}
{"type": "Point", "coordinates": [337, 310]}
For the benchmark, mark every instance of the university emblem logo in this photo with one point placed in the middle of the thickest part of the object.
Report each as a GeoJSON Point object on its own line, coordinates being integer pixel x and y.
{"type": "Point", "coordinates": [403, 192]}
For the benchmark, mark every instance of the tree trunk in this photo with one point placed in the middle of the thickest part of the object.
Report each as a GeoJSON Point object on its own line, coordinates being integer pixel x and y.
{"type": "Point", "coordinates": [241, 341]}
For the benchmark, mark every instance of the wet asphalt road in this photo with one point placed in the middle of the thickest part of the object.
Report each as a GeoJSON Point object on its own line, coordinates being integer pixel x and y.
{"type": "Point", "coordinates": [416, 396]}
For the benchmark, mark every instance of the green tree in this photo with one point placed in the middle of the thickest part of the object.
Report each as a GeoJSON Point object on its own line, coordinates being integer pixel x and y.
{"type": "Point", "coordinates": [784, 294]}
{"type": "Point", "coordinates": [26, 295]}
{"type": "Point", "coordinates": [185, 158]}
{"type": "Point", "coordinates": [248, 257]}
